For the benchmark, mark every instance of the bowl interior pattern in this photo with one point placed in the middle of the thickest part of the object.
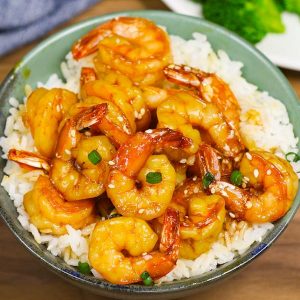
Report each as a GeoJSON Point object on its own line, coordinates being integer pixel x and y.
{"type": "Point", "coordinates": [45, 59]}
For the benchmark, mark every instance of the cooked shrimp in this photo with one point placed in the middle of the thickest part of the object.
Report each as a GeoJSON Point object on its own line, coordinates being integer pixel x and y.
{"type": "Point", "coordinates": [49, 211]}
{"type": "Point", "coordinates": [274, 187]}
{"type": "Point", "coordinates": [72, 171]}
{"type": "Point", "coordinates": [210, 87]}
{"type": "Point", "coordinates": [114, 94]}
{"type": "Point", "coordinates": [45, 109]}
{"type": "Point", "coordinates": [112, 237]}
{"type": "Point", "coordinates": [185, 112]}
{"type": "Point", "coordinates": [136, 97]}
{"type": "Point", "coordinates": [133, 46]}
{"type": "Point", "coordinates": [127, 185]}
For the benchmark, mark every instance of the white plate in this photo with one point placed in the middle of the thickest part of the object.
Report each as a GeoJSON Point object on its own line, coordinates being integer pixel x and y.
{"type": "Point", "coordinates": [282, 49]}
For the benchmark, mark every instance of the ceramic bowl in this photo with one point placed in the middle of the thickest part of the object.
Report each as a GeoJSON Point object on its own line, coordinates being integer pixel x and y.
{"type": "Point", "coordinates": [45, 59]}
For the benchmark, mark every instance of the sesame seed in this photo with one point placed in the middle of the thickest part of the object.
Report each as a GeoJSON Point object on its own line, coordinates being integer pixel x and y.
{"type": "Point", "coordinates": [232, 215]}
{"type": "Point", "coordinates": [185, 192]}
{"type": "Point", "coordinates": [269, 172]}
{"type": "Point", "coordinates": [142, 111]}
{"type": "Point", "coordinates": [141, 210]}
{"type": "Point", "coordinates": [248, 204]}
{"type": "Point", "coordinates": [244, 185]}
{"type": "Point", "coordinates": [194, 178]}
{"type": "Point", "coordinates": [87, 133]}
{"type": "Point", "coordinates": [120, 118]}
{"type": "Point", "coordinates": [183, 161]}
{"type": "Point", "coordinates": [256, 173]}
{"type": "Point", "coordinates": [67, 151]}
{"type": "Point", "coordinates": [111, 163]}
{"type": "Point", "coordinates": [149, 131]}
{"type": "Point", "coordinates": [249, 156]}
{"type": "Point", "coordinates": [212, 190]}
{"type": "Point", "coordinates": [191, 160]}
{"type": "Point", "coordinates": [111, 186]}
{"type": "Point", "coordinates": [196, 190]}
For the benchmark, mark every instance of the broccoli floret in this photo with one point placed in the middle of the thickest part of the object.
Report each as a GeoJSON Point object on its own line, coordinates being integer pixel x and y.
{"type": "Point", "coordinates": [252, 19]}
{"type": "Point", "coordinates": [291, 5]}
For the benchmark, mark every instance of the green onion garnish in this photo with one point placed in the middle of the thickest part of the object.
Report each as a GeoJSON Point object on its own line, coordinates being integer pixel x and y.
{"type": "Point", "coordinates": [154, 177]}
{"type": "Point", "coordinates": [207, 179]}
{"type": "Point", "coordinates": [147, 280]}
{"type": "Point", "coordinates": [84, 268]}
{"type": "Point", "coordinates": [236, 177]}
{"type": "Point", "coordinates": [94, 157]}
{"type": "Point", "coordinates": [292, 157]}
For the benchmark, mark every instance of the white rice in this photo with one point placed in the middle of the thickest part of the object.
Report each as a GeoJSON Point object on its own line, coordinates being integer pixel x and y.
{"type": "Point", "coordinates": [269, 129]}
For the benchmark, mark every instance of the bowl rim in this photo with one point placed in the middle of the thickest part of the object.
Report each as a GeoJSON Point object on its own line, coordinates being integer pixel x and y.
{"type": "Point", "coordinates": [182, 284]}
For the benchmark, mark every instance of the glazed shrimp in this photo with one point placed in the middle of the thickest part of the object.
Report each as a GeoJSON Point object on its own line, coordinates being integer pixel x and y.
{"type": "Point", "coordinates": [45, 109]}
{"type": "Point", "coordinates": [72, 172]}
{"type": "Point", "coordinates": [210, 87]}
{"type": "Point", "coordinates": [50, 212]}
{"type": "Point", "coordinates": [185, 112]}
{"type": "Point", "coordinates": [136, 47]}
{"type": "Point", "coordinates": [274, 187]}
{"type": "Point", "coordinates": [112, 237]}
{"type": "Point", "coordinates": [127, 185]}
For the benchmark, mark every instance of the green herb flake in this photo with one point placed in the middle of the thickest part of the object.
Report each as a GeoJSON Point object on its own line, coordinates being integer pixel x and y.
{"type": "Point", "coordinates": [207, 179]}
{"type": "Point", "coordinates": [154, 177]}
{"type": "Point", "coordinates": [94, 157]}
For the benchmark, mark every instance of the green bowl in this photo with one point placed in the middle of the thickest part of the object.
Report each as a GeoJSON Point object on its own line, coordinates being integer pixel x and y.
{"type": "Point", "coordinates": [45, 59]}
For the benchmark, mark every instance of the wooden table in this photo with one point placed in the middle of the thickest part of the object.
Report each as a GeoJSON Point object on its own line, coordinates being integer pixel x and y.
{"type": "Point", "coordinates": [274, 275]}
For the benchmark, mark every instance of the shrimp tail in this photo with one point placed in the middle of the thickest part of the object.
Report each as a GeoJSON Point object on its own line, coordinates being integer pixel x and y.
{"type": "Point", "coordinates": [91, 116]}
{"type": "Point", "coordinates": [166, 137]}
{"type": "Point", "coordinates": [29, 160]}
{"type": "Point", "coordinates": [170, 238]}
{"type": "Point", "coordinates": [183, 75]}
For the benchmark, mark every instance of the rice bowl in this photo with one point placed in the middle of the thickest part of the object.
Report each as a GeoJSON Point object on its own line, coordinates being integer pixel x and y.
{"type": "Point", "coordinates": [196, 53]}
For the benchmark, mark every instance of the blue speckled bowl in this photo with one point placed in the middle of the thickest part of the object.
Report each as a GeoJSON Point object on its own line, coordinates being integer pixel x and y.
{"type": "Point", "coordinates": [45, 59]}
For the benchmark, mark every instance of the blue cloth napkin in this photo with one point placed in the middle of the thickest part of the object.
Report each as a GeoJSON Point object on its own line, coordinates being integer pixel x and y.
{"type": "Point", "coordinates": [22, 21]}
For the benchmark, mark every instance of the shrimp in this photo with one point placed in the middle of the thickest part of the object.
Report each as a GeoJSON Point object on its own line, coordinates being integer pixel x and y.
{"type": "Point", "coordinates": [274, 187]}
{"type": "Point", "coordinates": [201, 218]}
{"type": "Point", "coordinates": [136, 47]}
{"type": "Point", "coordinates": [210, 87]}
{"type": "Point", "coordinates": [72, 172]}
{"type": "Point", "coordinates": [50, 212]}
{"type": "Point", "coordinates": [202, 224]}
{"type": "Point", "coordinates": [136, 97]}
{"type": "Point", "coordinates": [185, 112]}
{"type": "Point", "coordinates": [112, 237]}
{"type": "Point", "coordinates": [45, 109]}
{"type": "Point", "coordinates": [127, 185]}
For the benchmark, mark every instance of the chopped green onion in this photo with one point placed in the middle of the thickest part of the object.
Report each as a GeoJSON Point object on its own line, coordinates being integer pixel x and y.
{"type": "Point", "coordinates": [145, 275]}
{"type": "Point", "coordinates": [94, 157]}
{"type": "Point", "coordinates": [147, 280]}
{"type": "Point", "coordinates": [292, 157]}
{"type": "Point", "coordinates": [154, 177]}
{"type": "Point", "coordinates": [207, 179]}
{"type": "Point", "coordinates": [236, 177]}
{"type": "Point", "coordinates": [84, 268]}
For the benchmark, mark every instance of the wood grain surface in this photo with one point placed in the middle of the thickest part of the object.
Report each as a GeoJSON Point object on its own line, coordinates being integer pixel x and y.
{"type": "Point", "coordinates": [274, 275]}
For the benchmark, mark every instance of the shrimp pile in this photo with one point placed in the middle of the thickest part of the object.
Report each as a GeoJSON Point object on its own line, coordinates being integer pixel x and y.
{"type": "Point", "coordinates": [148, 150]}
